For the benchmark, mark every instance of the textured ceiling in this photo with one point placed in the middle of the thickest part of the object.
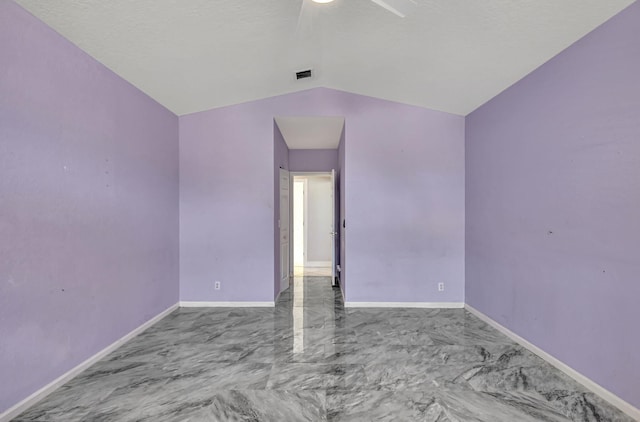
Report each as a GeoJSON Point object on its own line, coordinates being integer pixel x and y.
{"type": "Point", "coordinates": [449, 55]}
{"type": "Point", "coordinates": [311, 132]}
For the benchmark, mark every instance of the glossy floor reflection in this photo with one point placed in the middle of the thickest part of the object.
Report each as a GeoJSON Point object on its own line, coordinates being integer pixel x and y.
{"type": "Point", "coordinates": [309, 359]}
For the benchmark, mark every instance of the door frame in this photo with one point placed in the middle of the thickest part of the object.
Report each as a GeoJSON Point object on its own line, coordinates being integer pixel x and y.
{"type": "Point", "coordinates": [281, 282]}
{"type": "Point", "coordinates": [305, 186]}
{"type": "Point", "coordinates": [292, 175]}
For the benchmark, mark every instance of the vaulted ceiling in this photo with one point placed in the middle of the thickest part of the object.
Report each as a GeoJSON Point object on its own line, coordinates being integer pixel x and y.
{"type": "Point", "coordinates": [449, 55]}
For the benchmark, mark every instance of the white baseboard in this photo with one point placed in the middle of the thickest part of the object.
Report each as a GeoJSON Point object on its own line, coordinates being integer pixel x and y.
{"type": "Point", "coordinates": [187, 304]}
{"type": "Point", "coordinates": [597, 389]}
{"type": "Point", "coordinates": [23, 405]}
{"type": "Point", "coordinates": [430, 305]}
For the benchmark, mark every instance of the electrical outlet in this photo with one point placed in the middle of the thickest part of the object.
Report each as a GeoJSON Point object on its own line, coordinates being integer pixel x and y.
{"type": "Point", "coordinates": [216, 285]}
{"type": "Point", "coordinates": [441, 287]}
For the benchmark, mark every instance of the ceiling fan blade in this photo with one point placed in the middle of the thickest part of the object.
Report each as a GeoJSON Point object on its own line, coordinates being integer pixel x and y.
{"type": "Point", "coordinates": [399, 7]}
{"type": "Point", "coordinates": [303, 26]}
{"type": "Point", "coordinates": [305, 43]}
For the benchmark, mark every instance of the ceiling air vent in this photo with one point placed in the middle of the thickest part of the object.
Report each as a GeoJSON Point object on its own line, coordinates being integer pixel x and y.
{"type": "Point", "coordinates": [303, 74]}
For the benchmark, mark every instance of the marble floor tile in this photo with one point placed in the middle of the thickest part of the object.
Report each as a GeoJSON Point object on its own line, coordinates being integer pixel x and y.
{"type": "Point", "coordinates": [367, 405]}
{"type": "Point", "coordinates": [310, 359]}
{"type": "Point", "coordinates": [312, 271]}
{"type": "Point", "coordinates": [214, 405]}
{"type": "Point", "coordinates": [276, 406]}
{"type": "Point", "coordinates": [459, 404]}
{"type": "Point", "coordinates": [317, 376]}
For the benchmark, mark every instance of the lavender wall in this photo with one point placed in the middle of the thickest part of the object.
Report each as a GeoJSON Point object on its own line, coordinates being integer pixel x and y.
{"type": "Point", "coordinates": [405, 194]}
{"type": "Point", "coordinates": [280, 160]}
{"type": "Point", "coordinates": [88, 215]}
{"type": "Point", "coordinates": [313, 159]}
{"type": "Point", "coordinates": [553, 198]}
{"type": "Point", "coordinates": [227, 205]}
{"type": "Point", "coordinates": [403, 180]}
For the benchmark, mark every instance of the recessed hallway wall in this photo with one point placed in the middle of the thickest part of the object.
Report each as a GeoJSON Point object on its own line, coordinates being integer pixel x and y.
{"type": "Point", "coordinates": [313, 159]}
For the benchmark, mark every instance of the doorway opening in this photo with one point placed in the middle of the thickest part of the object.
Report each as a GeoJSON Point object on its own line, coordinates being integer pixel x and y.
{"type": "Point", "coordinates": [305, 147]}
{"type": "Point", "coordinates": [313, 224]}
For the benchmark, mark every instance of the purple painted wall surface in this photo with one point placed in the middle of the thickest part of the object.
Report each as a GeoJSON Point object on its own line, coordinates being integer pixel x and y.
{"type": "Point", "coordinates": [553, 199]}
{"type": "Point", "coordinates": [227, 204]}
{"type": "Point", "coordinates": [313, 159]}
{"type": "Point", "coordinates": [280, 160]}
{"type": "Point", "coordinates": [403, 182]}
{"type": "Point", "coordinates": [88, 206]}
{"type": "Point", "coordinates": [405, 203]}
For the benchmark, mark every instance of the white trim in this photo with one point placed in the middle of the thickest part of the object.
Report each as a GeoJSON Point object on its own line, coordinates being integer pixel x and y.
{"type": "Point", "coordinates": [597, 389]}
{"type": "Point", "coordinates": [283, 283]}
{"type": "Point", "coordinates": [304, 177]}
{"type": "Point", "coordinates": [26, 403]}
{"type": "Point", "coordinates": [187, 304]}
{"type": "Point", "coordinates": [291, 239]}
{"type": "Point", "coordinates": [334, 230]}
{"type": "Point", "coordinates": [305, 221]}
{"type": "Point", "coordinates": [431, 305]}
{"type": "Point", "coordinates": [302, 181]}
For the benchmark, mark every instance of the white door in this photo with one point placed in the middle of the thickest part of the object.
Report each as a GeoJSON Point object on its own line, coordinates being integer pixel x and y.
{"type": "Point", "coordinates": [334, 229]}
{"type": "Point", "coordinates": [297, 218]}
{"type": "Point", "coordinates": [284, 229]}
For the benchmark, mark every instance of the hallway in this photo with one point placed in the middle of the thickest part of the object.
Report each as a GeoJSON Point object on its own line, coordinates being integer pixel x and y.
{"type": "Point", "coordinates": [311, 271]}
{"type": "Point", "coordinates": [310, 359]}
